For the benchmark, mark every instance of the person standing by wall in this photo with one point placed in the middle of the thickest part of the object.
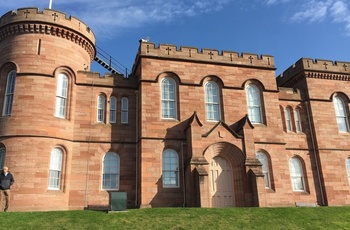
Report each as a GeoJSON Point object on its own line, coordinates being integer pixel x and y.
{"type": "Point", "coordinates": [6, 180]}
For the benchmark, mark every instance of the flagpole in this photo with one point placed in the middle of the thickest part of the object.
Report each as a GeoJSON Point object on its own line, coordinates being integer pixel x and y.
{"type": "Point", "coordinates": [50, 5]}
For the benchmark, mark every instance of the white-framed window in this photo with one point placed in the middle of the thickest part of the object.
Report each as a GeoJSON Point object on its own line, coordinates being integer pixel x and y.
{"type": "Point", "coordinates": [61, 96]}
{"type": "Point", "coordinates": [125, 110]}
{"type": "Point", "coordinates": [110, 171]}
{"type": "Point", "coordinates": [2, 156]}
{"type": "Point", "coordinates": [170, 172]}
{"type": "Point", "coordinates": [254, 104]}
{"type": "Point", "coordinates": [341, 114]}
{"type": "Point", "coordinates": [101, 104]}
{"type": "Point", "coordinates": [55, 169]}
{"type": "Point", "coordinates": [296, 174]}
{"type": "Point", "coordinates": [9, 93]}
{"type": "Point", "coordinates": [168, 98]}
{"type": "Point", "coordinates": [288, 120]}
{"type": "Point", "coordinates": [212, 101]}
{"type": "Point", "coordinates": [297, 120]}
{"type": "Point", "coordinates": [265, 167]}
{"type": "Point", "coordinates": [348, 168]}
{"type": "Point", "coordinates": [113, 110]}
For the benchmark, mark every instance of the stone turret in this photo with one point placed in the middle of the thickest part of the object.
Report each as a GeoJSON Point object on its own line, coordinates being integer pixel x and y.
{"type": "Point", "coordinates": [40, 41]}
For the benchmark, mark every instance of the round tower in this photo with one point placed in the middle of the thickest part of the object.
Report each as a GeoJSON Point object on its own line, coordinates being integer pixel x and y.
{"type": "Point", "coordinates": [41, 53]}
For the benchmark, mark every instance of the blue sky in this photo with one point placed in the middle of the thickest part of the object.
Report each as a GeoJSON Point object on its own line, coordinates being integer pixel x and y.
{"type": "Point", "coordinates": [286, 29]}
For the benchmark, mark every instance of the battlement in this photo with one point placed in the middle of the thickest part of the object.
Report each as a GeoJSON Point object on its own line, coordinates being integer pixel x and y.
{"type": "Point", "coordinates": [317, 68]}
{"type": "Point", "coordinates": [206, 55]}
{"type": "Point", "coordinates": [49, 16]}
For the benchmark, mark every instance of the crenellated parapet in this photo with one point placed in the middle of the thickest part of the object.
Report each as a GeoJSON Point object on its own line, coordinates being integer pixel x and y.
{"type": "Point", "coordinates": [206, 55]}
{"type": "Point", "coordinates": [314, 68]}
{"type": "Point", "coordinates": [49, 22]}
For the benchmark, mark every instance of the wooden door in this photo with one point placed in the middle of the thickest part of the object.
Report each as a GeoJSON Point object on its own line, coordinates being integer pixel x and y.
{"type": "Point", "coordinates": [221, 184]}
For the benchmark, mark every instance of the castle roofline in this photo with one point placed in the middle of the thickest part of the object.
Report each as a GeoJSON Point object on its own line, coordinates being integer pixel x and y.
{"type": "Point", "coordinates": [316, 68]}
{"type": "Point", "coordinates": [193, 54]}
{"type": "Point", "coordinates": [50, 16]}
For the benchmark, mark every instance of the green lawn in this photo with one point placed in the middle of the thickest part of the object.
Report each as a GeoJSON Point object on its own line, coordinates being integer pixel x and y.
{"type": "Point", "coordinates": [182, 218]}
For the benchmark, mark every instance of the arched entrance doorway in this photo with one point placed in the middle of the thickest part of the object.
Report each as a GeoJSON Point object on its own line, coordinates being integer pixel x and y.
{"type": "Point", "coordinates": [221, 183]}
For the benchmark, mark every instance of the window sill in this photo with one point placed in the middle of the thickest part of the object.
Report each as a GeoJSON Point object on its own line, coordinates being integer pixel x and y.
{"type": "Point", "coordinates": [301, 192]}
{"type": "Point", "coordinates": [259, 125]}
{"type": "Point", "coordinates": [270, 190]}
{"type": "Point", "coordinates": [53, 190]}
{"type": "Point", "coordinates": [170, 119]}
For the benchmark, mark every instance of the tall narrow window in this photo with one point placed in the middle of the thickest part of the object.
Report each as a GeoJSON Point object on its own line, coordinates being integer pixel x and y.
{"type": "Point", "coordinates": [110, 172]}
{"type": "Point", "coordinates": [254, 104]}
{"type": "Point", "coordinates": [265, 167]}
{"type": "Point", "coordinates": [61, 96]}
{"type": "Point", "coordinates": [101, 103]}
{"type": "Point", "coordinates": [341, 114]}
{"type": "Point", "coordinates": [125, 110]}
{"type": "Point", "coordinates": [113, 110]}
{"type": "Point", "coordinates": [170, 168]}
{"type": "Point", "coordinates": [55, 169]}
{"type": "Point", "coordinates": [168, 98]}
{"type": "Point", "coordinates": [288, 120]}
{"type": "Point", "coordinates": [2, 156]}
{"type": "Point", "coordinates": [212, 103]}
{"type": "Point", "coordinates": [297, 120]}
{"type": "Point", "coordinates": [348, 168]}
{"type": "Point", "coordinates": [9, 93]}
{"type": "Point", "coordinates": [296, 173]}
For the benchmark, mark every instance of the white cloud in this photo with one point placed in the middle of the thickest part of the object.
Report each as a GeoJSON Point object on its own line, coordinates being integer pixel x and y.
{"type": "Point", "coordinates": [271, 2]}
{"type": "Point", "coordinates": [104, 16]}
{"type": "Point", "coordinates": [312, 11]}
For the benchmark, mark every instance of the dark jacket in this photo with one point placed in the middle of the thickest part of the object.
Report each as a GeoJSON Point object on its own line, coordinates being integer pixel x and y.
{"type": "Point", "coordinates": [6, 181]}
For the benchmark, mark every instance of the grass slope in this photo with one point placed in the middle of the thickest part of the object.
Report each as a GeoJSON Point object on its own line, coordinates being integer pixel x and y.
{"type": "Point", "coordinates": [181, 218]}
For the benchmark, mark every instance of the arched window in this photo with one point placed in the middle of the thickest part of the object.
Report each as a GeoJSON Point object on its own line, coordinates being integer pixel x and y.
{"type": "Point", "coordinates": [168, 98]}
{"type": "Point", "coordinates": [254, 104]}
{"type": "Point", "coordinates": [348, 168]}
{"type": "Point", "coordinates": [110, 172]}
{"type": "Point", "coordinates": [297, 120]}
{"type": "Point", "coordinates": [288, 120]}
{"type": "Point", "coordinates": [113, 110]}
{"type": "Point", "coordinates": [55, 169]}
{"type": "Point", "coordinates": [170, 168]}
{"type": "Point", "coordinates": [125, 110]}
{"type": "Point", "coordinates": [212, 101]}
{"type": "Point", "coordinates": [265, 167]}
{"type": "Point", "coordinates": [341, 114]}
{"type": "Point", "coordinates": [101, 103]}
{"type": "Point", "coordinates": [9, 93]}
{"type": "Point", "coordinates": [2, 156]}
{"type": "Point", "coordinates": [296, 174]}
{"type": "Point", "coordinates": [61, 96]}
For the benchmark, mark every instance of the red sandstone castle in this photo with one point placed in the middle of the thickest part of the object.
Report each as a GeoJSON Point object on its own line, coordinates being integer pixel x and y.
{"type": "Point", "coordinates": [186, 128]}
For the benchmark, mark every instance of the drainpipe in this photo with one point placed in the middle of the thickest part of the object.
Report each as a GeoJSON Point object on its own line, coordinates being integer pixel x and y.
{"type": "Point", "coordinates": [137, 147]}
{"type": "Point", "coordinates": [183, 174]}
{"type": "Point", "coordinates": [315, 152]}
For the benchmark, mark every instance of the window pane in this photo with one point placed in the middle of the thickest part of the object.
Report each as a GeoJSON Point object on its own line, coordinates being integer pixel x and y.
{"type": "Point", "coordinates": [101, 101]}
{"type": "Point", "coordinates": [296, 173]}
{"type": "Point", "coordinates": [125, 110]}
{"type": "Point", "coordinates": [110, 174]}
{"type": "Point", "coordinates": [113, 110]}
{"type": "Point", "coordinates": [168, 98]}
{"type": "Point", "coordinates": [265, 167]}
{"type": "Point", "coordinates": [55, 168]}
{"type": "Point", "coordinates": [212, 101]}
{"type": "Point", "coordinates": [10, 88]}
{"type": "Point", "coordinates": [2, 157]}
{"type": "Point", "coordinates": [348, 168]}
{"type": "Point", "coordinates": [341, 114]}
{"type": "Point", "coordinates": [170, 166]}
{"type": "Point", "coordinates": [254, 104]}
{"type": "Point", "coordinates": [297, 120]}
{"type": "Point", "coordinates": [61, 95]}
